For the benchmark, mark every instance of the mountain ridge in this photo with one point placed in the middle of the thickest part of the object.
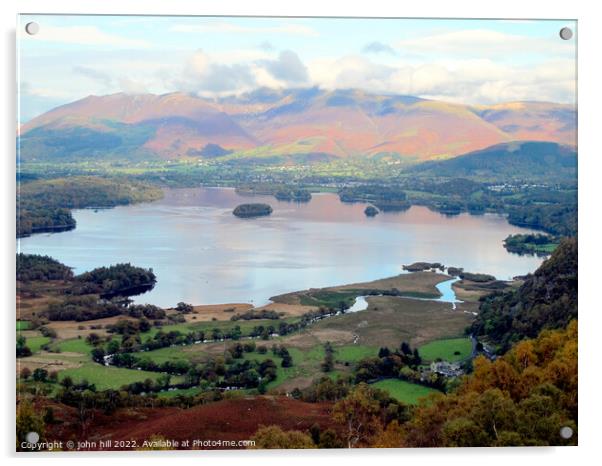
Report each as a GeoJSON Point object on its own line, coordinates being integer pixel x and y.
{"type": "Point", "coordinates": [341, 123]}
{"type": "Point", "coordinates": [510, 160]}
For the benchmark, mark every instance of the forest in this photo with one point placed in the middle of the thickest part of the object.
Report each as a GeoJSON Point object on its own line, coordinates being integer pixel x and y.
{"type": "Point", "coordinates": [44, 205]}
{"type": "Point", "coordinates": [537, 244]}
{"type": "Point", "coordinates": [546, 300]}
{"type": "Point", "coordinates": [35, 267]}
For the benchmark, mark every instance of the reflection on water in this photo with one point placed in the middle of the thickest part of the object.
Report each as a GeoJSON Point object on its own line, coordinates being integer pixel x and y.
{"type": "Point", "coordinates": [201, 253]}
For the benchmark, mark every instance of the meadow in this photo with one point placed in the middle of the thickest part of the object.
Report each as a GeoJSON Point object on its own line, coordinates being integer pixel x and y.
{"type": "Point", "coordinates": [105, 378]}
{"type": "Point", "coordinates": [450, 349]}
{"type": "Point", "coordinates": [406, 392]}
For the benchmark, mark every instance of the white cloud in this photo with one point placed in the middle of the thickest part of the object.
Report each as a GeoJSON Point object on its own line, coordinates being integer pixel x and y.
{"type": "Point", "coordinates": [83, 35]}
{"type": "Point", "coordinates": [132, 86]}
{"type": "Point", "coordinates": [97, 75]}
{"type": "Point", "coordinates": [205, 75]}
{"type": "Point", "coordinates": [485, 43]}
{"type": "Point", "coordinates": [466, 81]}
{"type": "Point", "coordinates": [288, 68]}
{"type": "Point", "coordinates": [230, 28]}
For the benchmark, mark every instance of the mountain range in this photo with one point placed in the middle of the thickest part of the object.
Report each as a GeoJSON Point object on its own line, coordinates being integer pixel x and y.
{"type": "Point", "coordinates": [309, 123]}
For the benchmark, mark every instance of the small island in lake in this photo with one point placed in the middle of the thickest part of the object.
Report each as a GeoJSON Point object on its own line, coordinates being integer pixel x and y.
{"type": "Point", "coordinates": [297, 195]}
{"type": "Point", "coordinates": [371, 211]}
{"type": "Point", "coordinates": [252, 210]}
{"type": "Point", "coordinates": [424, 266]}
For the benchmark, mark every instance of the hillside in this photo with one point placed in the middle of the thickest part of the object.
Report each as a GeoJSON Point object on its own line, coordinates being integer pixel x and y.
{"type": "Point", "coordinates": [546, 300]}
{"type": "Point", "coordinates": [509, 160]}
{"type": "Point", "coordinates": [342, 123]}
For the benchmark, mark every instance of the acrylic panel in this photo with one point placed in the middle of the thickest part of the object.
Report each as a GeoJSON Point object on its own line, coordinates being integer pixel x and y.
{"type": "Point", "coordinates": [287, 232]}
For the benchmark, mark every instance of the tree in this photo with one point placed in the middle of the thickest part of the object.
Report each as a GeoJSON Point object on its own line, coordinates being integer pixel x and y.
{"type": "Point", "coordinates": [25, 373]}
{"type": "Point", "coordinates": [522, 398]}
{"type": "Point", "coordinates": [28, 421]}
{"type": "Point", "coordinates": [163, 381]}
{"type": "Point", "coordinates": [417, 360]}
{"type": "Point", "coordinates": [358, 414]}
{"type": "Point", "coordinates": [40, 375]}
{"type": "Point", "coordinates": [391, 437]}
{"type": "Point", "coordinates": [22, 348]}
{"type": "Point", "coordinates": [67, 382]}
{"type": "Point", "coordinates": [328, 363]}
{"type": "Point", "coordinates": [93, 339]}
{"type": "Point", "coordinates": [287, 360]}
{"type": "Point", "coordinates": [98, 355]}
{"type": "Point", "coordinates": [273, 437]}
{"type": "Point", "coordinates": [184, 308]}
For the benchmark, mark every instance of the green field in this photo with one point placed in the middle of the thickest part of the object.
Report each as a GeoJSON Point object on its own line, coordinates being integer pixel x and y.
{"type": "Point", "coordinates": [403, 391]}
{"type": "Point", "coordinates": [74, 345]}
{"type": "Point", "coordinates": [107, 377]}
{"type": "Point", "coordinates": [23, 325]}
{"type": "Point", "coordinates": [181, 391]}
{"type": "Point", "coordinates": [354, 353]}
{"type": "Point", "coordinates": [449, 349]}
{"type": "Point", "coordinates": [306, 363]}
{"type": "Point", "coordinates": [35, 343]}
{"type": "Point", "coordinates": [246, 326]}
{"type": "Point", "coordinates": [175, 353]}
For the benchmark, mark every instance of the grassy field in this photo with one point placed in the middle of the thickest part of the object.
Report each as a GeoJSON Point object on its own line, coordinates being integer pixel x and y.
{"type": "Point", "coordinates": [354, 353]}
{"type": "Point", "coordinates": [388, 321]}
{"type": "Point", "coordinates": [175, 353]}
{"type": "Point", "coordinates": [306, 367]}
{"type": "Point", "coordinates": [107, 377]}
{"type": "Point", "coordinates": [23, 325]}
{"type": "Point", "coordinates": [450, 349]}
{"type": "Point", "coordinates": [36, 343]}
{"type": "Point", "coordinates": [74, 345]}
{"type": "Point", "coordinates": [181, 391]}
{"type": "Point", "coordinates": [207, 326]}
{"type": "Point", "coordinates": [403, 391]}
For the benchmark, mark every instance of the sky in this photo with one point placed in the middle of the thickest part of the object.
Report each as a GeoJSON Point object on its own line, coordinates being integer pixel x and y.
{"type": "Point", "coordinates": [467, 61]}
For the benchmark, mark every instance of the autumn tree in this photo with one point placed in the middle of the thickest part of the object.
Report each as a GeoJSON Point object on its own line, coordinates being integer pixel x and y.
{"type": "Point", "coordinates": [522, 398]}
{"type": "Point", "coordinates": [358, 414]}
{"type": "Point", "coordinates": [273, 437]}
{"type": "Point", "coordinates": [28, 421]}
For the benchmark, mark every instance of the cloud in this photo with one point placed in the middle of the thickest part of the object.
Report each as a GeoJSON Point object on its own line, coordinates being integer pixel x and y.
{"type": "Point", "coordinates": [132, 86]}
{"type": "Point", "coordinates": [479, 43]}
{"type": "Point", "coordinates": [479, 81]}
{"type": "Point", "coordinates": [288, 68]}
{"type": "Point", "coordinates": [209, 74]}
{"type": "Point", "coordinates": [97, 75]}
{"type": "Point", "coordinates": [231, 28]}
{"type": "Point", "coordinates": [378, 47]}
{"type": "Point", "coordinates": [202, 74]}
{"type": "Point", "coordinates": [83, 35]}
{"type": "Point", "coordinates": [266, 46]}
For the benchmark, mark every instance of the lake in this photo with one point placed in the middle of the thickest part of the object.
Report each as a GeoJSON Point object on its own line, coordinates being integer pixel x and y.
{"type": "Point", "coordinates": [202, 254]}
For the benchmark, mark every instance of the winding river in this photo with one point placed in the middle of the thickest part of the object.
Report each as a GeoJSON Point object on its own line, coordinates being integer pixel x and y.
{"type": "Point", "coordinates": [448, 295]}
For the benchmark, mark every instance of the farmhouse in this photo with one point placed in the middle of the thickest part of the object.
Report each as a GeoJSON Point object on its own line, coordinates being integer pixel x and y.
{"type": "Point", "coordinates": [447, 369]}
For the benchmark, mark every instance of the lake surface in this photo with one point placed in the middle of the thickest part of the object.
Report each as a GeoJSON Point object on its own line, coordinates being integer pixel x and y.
{"type": "Point", "coordinates": [202, 254]}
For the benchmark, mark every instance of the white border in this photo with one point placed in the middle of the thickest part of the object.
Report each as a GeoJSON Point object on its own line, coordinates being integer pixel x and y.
{"type": "Point", "coordinates": [590, 156]}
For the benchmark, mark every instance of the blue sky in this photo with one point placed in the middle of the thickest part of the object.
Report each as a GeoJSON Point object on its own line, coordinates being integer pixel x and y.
{"type": "Point", "coordinates": [469, 61]}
